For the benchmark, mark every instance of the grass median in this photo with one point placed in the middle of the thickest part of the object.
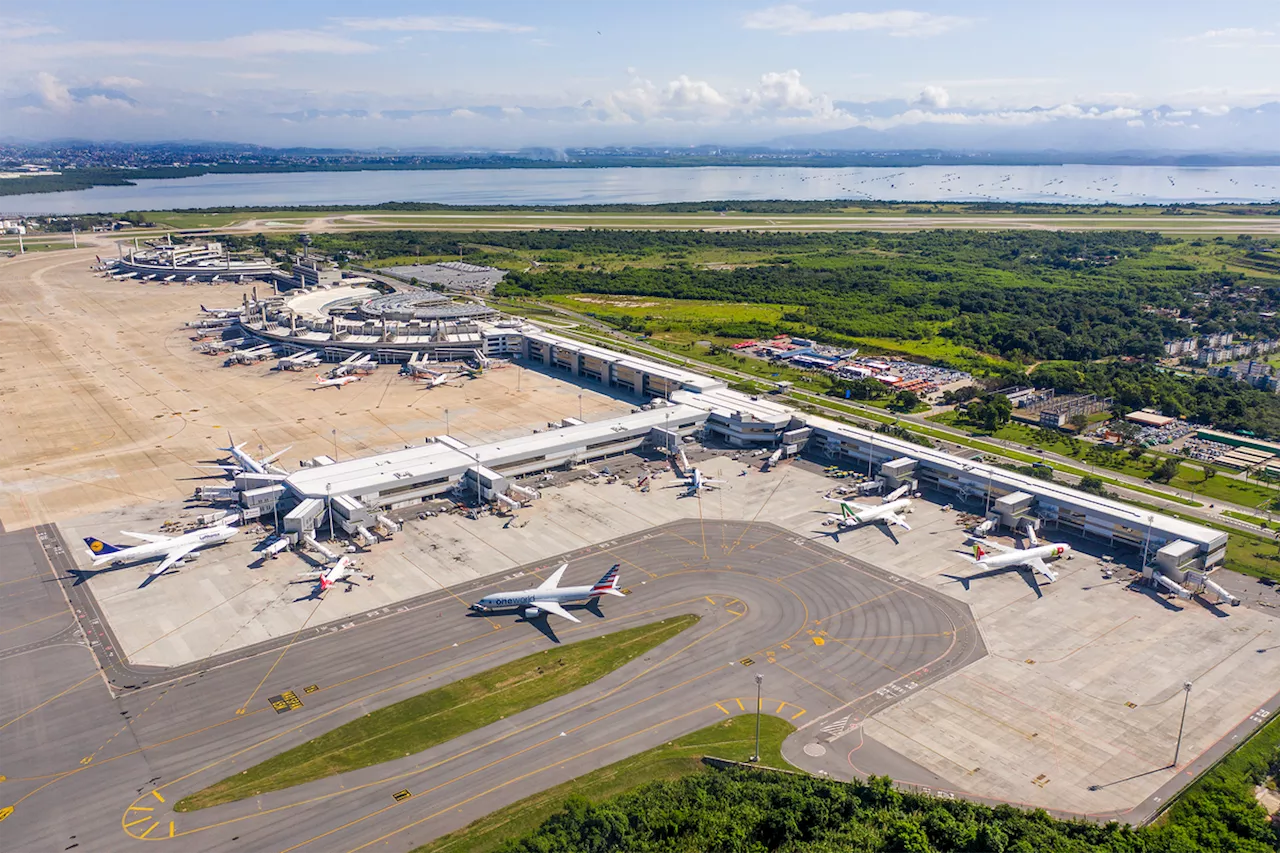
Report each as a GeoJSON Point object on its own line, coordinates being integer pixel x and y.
{"type": "Point", "coordinates": [442, 714]}
{"type": "Point", "coordinates": [733, 739]}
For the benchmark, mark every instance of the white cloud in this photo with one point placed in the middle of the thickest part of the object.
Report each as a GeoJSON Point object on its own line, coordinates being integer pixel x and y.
{"type": "Point", "coordinates": [783, 92]}
{"type": "Point", "coordinates": [437, 24]}
{"type": "Point", "coordinates": [14, 30]}
{"type": "Point", "coordinates": [263, 43]}
{"type": "Point", "coordinates": [683, 93]}
{"type": "Point", "coordinates": [463, 112]}
{"type": "Point", "coordinates": [1231, 34]}
{"type": "Point", "coordinates": [792, 20]}
{"type": "Point", "coordinates": [1136, 122]}
{"type": "Point", "coordinates": [120, 82]}
{"type": "Point", "coordinates": [53, 93]}
{"type": "Point", "coordinates": [933, 96]}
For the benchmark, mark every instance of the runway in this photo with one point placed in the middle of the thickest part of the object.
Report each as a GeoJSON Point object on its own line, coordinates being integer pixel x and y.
{"type": "Point", "coordinates": [101, 766]}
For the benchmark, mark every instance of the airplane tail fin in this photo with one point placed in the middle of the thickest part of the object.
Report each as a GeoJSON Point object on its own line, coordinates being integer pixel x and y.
{"type": "Point", "coordinates": [97, 547]}
{"type": "Point", "coordinates": [608, 585]}
{"type": "Point", "coordinates": [978, 553]}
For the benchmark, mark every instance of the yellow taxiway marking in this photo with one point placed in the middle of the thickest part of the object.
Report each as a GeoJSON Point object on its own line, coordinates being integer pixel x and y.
{"type": "Point", "coordinates": [798, 714]}
{"type": "Point", "coordinates": [171, 829]}
{"type": "Point", "coordinates": [722, 708]}
{"type": "Point", "coordinates": [781, 705]}
{"type": "Point", "coordinates": [709, 599]}
{"type": "Point", "coordinates": [139, 809]}
{"type": "Point", "coordinates": [818, 641]}
{"type": "Point", "coordinates": [741, 707]}
{"type": "Point", "coordinates": [5, 812]}
{"type": "Point", "coordinates": [138, 821]}
{"type": "Point", "coordinates": [157, 795]}
{"type": "Point", "coordinates": [149, 830]}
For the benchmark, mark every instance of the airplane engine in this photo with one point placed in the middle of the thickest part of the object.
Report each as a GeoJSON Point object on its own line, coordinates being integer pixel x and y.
{"type": "Point", "coordinates": [532, 613]}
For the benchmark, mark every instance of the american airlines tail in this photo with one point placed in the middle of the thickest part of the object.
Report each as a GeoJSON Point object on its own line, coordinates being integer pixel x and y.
{"type": "Point", "coordinates": [608, 585]}
{"type": "Point", "coordinates": [97, 547]}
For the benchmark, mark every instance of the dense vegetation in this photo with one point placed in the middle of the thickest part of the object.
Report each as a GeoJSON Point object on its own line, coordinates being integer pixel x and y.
{"type": "Point", "coordinates": [1224, 403]}
{"type": "Point", "coordinates": [749, 810]}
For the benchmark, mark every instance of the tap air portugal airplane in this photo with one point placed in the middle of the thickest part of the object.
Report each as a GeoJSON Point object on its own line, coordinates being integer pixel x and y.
{"type": "Point", "coordinates": [339, 572]}
{"type": "Point", "coordinates": [548, 596]}
{"type": "Point", "coordinates": [172, 549]}
{"type": "Point", "coordinates": [1028, 558]}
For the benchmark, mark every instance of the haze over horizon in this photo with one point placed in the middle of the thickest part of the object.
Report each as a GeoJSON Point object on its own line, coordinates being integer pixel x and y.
{"type": "Point", "coordinates": [984, 75]}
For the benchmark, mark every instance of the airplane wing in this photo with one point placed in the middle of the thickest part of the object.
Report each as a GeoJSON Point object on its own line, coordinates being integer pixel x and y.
{"type": "Point", "coordinates": [173, 557]}
{"type": "Point", "coordinates": [894, 518]}
{"type": "Point", "coordinates": [266, 460]}
{"type": "Point", "coordinates": [147, 537]}
{"type": "Point", "coordinates": [554, 581]}
{"type": "Point", "coordinates": [994, 546]}
{"type": "Point", "coordinates": [552, 607]}
{"type": "Point", "coordinates": [1038, 565]}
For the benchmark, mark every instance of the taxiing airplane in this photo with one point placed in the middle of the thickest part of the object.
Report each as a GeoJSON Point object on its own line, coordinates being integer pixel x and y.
{"type": "Point", "coordinates": [548, 596]}
{"type": "Point", "coordinates": [888, 512]}
{"type": "Point", "coordinates": [337, 381]}
{"type": "Point", "coordinates": [339, 572]}
{"type": "Point", "coordinates": [1023, 558]}
{"type": "Point", "coordinates": [173, 549]}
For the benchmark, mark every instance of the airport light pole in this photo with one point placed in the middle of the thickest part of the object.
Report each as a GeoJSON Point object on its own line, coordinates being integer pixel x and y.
{"type": "Point", "coordinates": [579, 407]}
{"type": "Point", "coordinates": [756, 757]}
{"type": "Point", "coordinates": [446, 421]}
{"type": "Point", "coordinates": [334, 433]}
{"type": "Point", "coordinates": [1186, 697]}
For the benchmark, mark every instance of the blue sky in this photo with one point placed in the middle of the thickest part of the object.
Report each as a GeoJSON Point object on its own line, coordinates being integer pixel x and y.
{"type": "Point", "coordinates": [503, 74]}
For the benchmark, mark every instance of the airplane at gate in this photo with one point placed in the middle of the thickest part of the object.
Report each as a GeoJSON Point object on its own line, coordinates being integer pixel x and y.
{"type": "Point", "coordinates": [339, 572]}
{"type": "Point", "coordinates": [548, 596]}
{"type": "Point", "coordinates": [1028, 558]}
{"type": "Point", "coordinates": [890, 512]}
{"type": "Point", "coordinates": [245, 462]}
{"type": "Point", "coordinates": [697, 481]}
{"type": "Point", "coordinates": [336, 382]}
{"type": "Point", "coordinates": [173, 549]}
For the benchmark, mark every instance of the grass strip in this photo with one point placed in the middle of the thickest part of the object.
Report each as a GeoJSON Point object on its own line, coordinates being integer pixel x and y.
{"type": "Point", "coordinates": [733, 739]}
{"type": "Point", "coordinates": [442, 714]}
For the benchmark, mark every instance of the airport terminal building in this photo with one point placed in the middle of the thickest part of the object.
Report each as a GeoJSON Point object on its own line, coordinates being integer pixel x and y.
{"type": "Point", "coordinates": [676, 401]}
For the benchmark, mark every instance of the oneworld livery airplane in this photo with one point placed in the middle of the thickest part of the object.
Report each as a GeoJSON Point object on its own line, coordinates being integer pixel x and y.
{"type": "Point", "coordinates": [548, 596]}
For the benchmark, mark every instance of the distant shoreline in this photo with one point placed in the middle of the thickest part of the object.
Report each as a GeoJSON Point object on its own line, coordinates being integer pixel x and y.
{"type": "Point", "coordinates": [71, 180]}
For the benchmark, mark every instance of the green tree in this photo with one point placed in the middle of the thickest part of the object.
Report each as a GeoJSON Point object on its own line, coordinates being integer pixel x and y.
{"type": "Point", "coordinates": [1165, 471]}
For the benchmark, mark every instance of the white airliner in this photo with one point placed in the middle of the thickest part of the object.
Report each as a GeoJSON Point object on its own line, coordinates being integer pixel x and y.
{"type": "Point", "coordinates": [436, 381]}
{"type": "Point", "coordinates": [548, 597]}
{"type": "Point", "coordinates": [336, 382]}
{"type": "Point", "coordinates": [171, 548]}
{"type": "Point", "coordinates": [339, 572]}
{"type": "Point", "coordinates": [889, 512]}
{"type": "Point", "coordinates": [245, 462]}
{"type": "Point", "coordinates": [697, 481]}
{"type": "Point", "coordinates": [222, 312]}
{"type": "Point", "coordinates": [1031, 558]}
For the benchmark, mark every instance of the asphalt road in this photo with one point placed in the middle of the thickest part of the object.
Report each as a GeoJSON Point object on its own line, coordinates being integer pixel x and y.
{"type": "Point", "coordinates": [97, 759]}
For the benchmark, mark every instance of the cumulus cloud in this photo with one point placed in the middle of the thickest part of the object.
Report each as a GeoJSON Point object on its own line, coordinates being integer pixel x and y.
{"type": "Point", "coordinates": [780, 94]}
{"type": "Point", "coordinates": [933, 96]}
{"type": "Point", "coordinates": [793, 20]}
{"type": "Point", "coordinates": [438, 24]}
{"type": "Point", "coordinates": [53, 94]}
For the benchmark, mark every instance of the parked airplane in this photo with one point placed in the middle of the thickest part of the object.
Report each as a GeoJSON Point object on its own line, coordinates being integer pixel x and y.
{"type": "Point", "coordinates": [1029, 558]}
{"type": "Point", "coordinates": [339, 572]}
{"type": "Point", "coordinates": [221, 312]}
{"type": "Point", "coordinates": [436, 381]}
{"type": "Point", "coordinates": [336, 382]}
{"type": "Point", "coordinates": [696, 482]}
{"type": "Point", "coordinates": [173, 549]}
{"type": "Point", "coordinates": [548, 596]}
{"type": "Point", "coordinates": [888, 512]}
{"type": "Point", "coordinates": [245, 462]}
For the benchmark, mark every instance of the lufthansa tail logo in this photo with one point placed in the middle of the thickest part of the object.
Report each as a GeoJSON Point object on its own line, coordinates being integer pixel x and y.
{"type": "Point", "coordinates": [95, 546]}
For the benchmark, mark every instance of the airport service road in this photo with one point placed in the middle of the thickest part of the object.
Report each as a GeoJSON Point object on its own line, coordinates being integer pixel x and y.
{"type": "Point", "coordinates": [103, 767]}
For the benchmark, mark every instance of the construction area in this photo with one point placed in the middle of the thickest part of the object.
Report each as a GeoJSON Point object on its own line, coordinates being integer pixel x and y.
{"type": "Point", "coordinates": [424, 487]}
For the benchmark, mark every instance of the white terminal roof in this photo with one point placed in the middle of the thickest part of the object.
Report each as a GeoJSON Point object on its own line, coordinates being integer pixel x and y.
{"type": "Point", "coordinates": [726, 403]}
{"type": "Point", "coordinates": [1052, 493]}
{"type": "Point", "coordinates": [421, 463]}
{"type": "Point", "coordinates": [673, 373]}
{"type": "Point", "coordinates": [313, 302]}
